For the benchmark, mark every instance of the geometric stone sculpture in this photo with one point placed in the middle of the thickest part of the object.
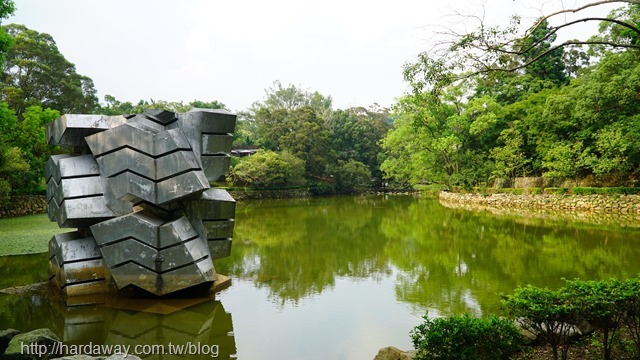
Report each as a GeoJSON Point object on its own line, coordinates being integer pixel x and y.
{"type": "Point", "coordinates": [215, 210]}
{"type": "Point", "coordinates": [137, 189]}
{"type": "Point", "coordinates": [74, 191]}
{"type": "Point", "coordinates": [146, 159]}
{"type": "Point", "coordinates": [76, 265]}
{"type": "Point", "coordinates": [158, 256]}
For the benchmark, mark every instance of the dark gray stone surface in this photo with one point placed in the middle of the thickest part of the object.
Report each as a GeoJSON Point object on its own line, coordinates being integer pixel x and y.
{"type": "Point", "coordinates": [141, 200]}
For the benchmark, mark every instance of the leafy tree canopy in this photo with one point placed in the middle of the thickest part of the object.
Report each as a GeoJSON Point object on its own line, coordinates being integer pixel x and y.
{"type": "Point", "coordinates": [278, 97]}
{"type": "Point", "coordinates": [36, 73]}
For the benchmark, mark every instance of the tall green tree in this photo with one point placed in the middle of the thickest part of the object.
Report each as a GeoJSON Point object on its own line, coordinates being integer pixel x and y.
{"type": "Point", "coordinates": [36, 73]}
{"type": "Point", "coordinates": [291, 119]}
{"type": "Point", "coordinates": [356, 135]}
{"type": "Point", "coordinates": [299, 132]}
{"type": "Point", "coordinates": [23, 150]}
{"type": "Point", "coordinates": [488, 49]}
{"type": "Point", "coordinates": [12, 163]}
{"type": "Point", "coordinates": [543, 62]}
{"type": "Point", "coordinates": [278, 97]}
{"type": "Point", "coordinates": [442, 139]}
{"type": "Point", "coordinates": [7, 8]}
{"type": "Point", "coordinates": [509, 159]}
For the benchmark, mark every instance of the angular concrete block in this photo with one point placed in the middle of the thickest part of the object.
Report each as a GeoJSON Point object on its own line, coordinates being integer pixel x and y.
{"type": "Point", "coordinates": [215, 166]}
{"type": "Point", "coordinates": [151, 253]}
{"type": "Point", "coordinates": [76, 265]}
{"type": "Point", "coordinates": [213, 144]}
{"type": "Point", "coordinates": [70, 130]}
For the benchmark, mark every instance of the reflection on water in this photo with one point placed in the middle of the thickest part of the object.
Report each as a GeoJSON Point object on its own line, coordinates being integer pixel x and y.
{"type": "Point", "coordinates": [449, 261]}
{"type": "Point", "coordinates": [164, 329]}
{"type": "Point", "coordinates": [459, 261]}
{"type": "Point", "coordinates": [297, 248]}
{"type": "Point", "coordinates": [341, 277]}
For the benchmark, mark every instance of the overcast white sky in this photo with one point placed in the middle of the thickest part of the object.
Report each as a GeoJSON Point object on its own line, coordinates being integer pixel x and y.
{"type": "Point", "coordinates": [182, 50]}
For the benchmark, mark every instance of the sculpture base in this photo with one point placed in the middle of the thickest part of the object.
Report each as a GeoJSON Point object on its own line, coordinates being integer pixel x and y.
{"type": "Point", "coordinates": [119, 299]}
{"type": "Point", "coordinates": [222, 282]}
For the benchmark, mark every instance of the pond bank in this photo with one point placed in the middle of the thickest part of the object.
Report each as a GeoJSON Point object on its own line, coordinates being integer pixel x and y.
{"type": "Point", "coordinates": [623, 210]}
{"type": "Point", "coordinates": [269, 194]}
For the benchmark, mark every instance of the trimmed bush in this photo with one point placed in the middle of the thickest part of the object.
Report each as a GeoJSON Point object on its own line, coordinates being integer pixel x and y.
{"type": "Point", "coordinates": [606, 190]}
{"type": "Point", "coordinates": [512, 191]}
{"type": "Point", "coordinates": [534, 191]}
{"type": "Point", "coordinates": [553, 315]}
{"type": "Point", "coordinates": [464, 337]}
{"type": "Point", "coordinates": [555, 190]}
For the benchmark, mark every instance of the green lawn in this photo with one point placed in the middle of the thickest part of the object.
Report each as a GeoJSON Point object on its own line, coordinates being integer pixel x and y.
{"type": "Point", "coordinates": [27, 234]}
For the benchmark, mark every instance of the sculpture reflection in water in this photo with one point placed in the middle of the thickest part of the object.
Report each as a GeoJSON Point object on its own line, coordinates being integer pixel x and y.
{"type": "Point", "coordinates": [137, 190]}
{"type": "Point", "coordinates": [201, 328]}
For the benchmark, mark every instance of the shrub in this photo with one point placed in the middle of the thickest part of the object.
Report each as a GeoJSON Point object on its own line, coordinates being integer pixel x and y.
{"type": "Point", "coordinates": [465, 337]}
{"type": "Point", "coordinates": [631, 294]}
{"type": "Point", "coordinates": [351, 176]}
{"type": "Point", "coordinates": [430, 189]}
{"type": "Point", "coordinates": [547, 314]}
{"type": "Point", "coordinates": [296, 168]}
{"type": "Point", "coordinates": [513, 191]}
{"type": "Point", "coordinates": [520, 191]}
{"type": "Point", "coordinates": [601, 303]}
{"type": "Point", "coordinates": [322, 188]}
{"type": "Point", "coordinates": [482, 190]}
{"type": "Point", "coordinates": [584, 190]}
{"type": "Point", "coordinates": [606, 190]}
{"type": "Point", "coordinates": [264, 169]}
{"type": "Point", "coordinates": [555, 190]}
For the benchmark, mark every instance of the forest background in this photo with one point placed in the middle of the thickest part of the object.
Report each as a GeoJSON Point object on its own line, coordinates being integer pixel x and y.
{"type": "Point", "coordinates": [492, 103]}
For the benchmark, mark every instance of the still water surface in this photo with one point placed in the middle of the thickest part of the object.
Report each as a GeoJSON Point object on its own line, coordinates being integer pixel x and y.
{"type": "Point", "coordinates": [340, 277]}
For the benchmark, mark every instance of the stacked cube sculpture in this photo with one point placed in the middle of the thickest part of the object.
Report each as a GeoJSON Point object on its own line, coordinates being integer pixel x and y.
{"type": "Point", "coordinates": [137, 190]}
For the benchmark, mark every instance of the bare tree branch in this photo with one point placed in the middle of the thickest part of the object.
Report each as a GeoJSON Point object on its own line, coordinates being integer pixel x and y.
{"type": "Point", "coordinates": [487, 69]}
{"type": "Point", "coordinates": [555, 29]}
{"type": "Point", "coordinates": [573, 11]}
{"type": "Point", "coordinates": [488, 49]}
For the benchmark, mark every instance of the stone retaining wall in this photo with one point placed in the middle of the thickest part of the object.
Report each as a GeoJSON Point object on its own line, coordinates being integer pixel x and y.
{"type": "Point", "coordinates": [25, 205]}
{"type": "Point", "coordinates": [621, 210]}
{"type": "Point", "coordinates": [623, 204]}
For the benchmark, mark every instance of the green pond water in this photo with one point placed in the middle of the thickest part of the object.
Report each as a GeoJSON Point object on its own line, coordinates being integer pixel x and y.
{"type": "Point", "coordinates": [338, 278]}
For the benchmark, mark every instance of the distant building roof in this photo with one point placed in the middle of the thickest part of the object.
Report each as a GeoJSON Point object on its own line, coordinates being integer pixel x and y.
{"type": "Point", "coordinates": [244, 152]}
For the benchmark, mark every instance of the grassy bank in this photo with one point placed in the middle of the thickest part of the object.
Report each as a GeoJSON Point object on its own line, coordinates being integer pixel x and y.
{"type": "Point", "coordinates": [27, 234]}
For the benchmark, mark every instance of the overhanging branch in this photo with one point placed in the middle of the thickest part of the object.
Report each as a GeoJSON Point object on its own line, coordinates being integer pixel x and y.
{"type": "Point", "coordinates": [573, 11]}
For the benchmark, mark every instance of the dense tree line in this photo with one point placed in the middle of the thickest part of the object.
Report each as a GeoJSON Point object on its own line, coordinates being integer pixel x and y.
{"type": "Point", "coordinates": [331, 150]}
{"type": "Point", "coordinates": [555, 117]}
